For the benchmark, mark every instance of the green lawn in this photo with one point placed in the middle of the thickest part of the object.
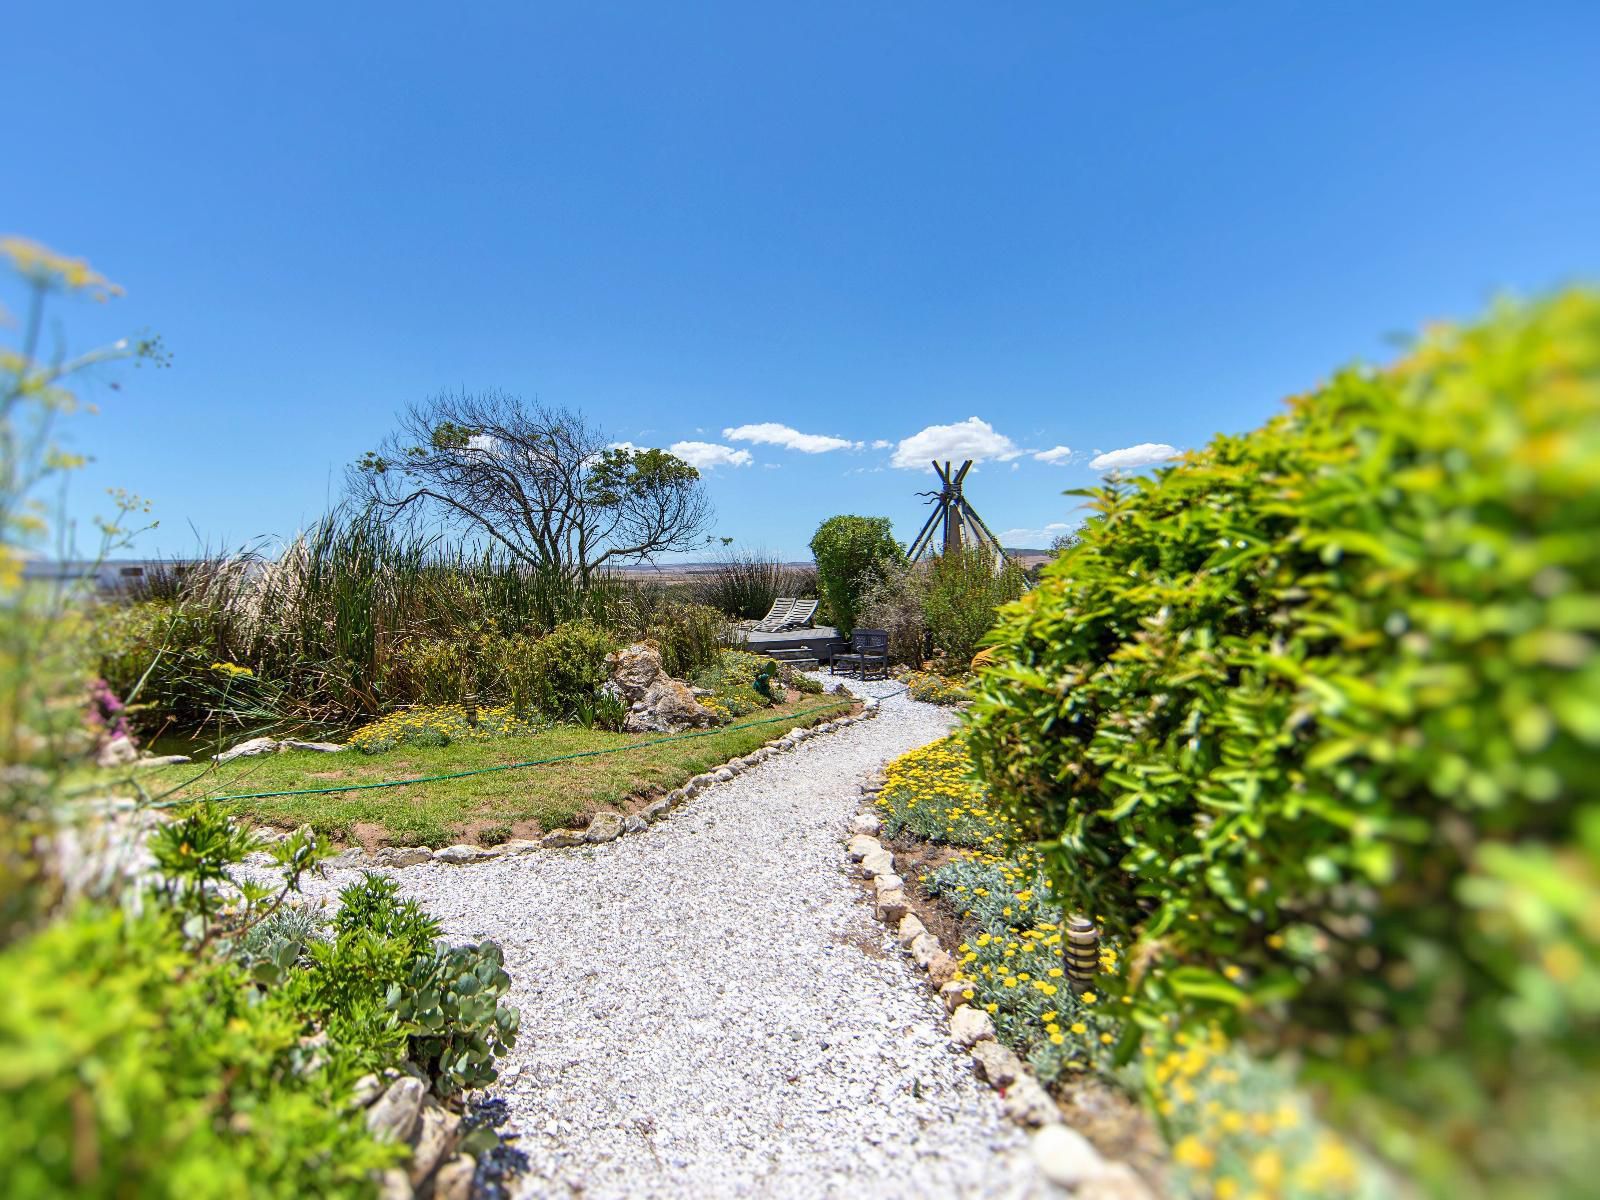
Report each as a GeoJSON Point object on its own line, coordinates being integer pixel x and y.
{"type": "Point", "coordinates": [518, 803]}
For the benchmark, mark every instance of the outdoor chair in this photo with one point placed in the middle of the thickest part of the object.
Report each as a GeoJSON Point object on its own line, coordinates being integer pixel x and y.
{"type": "Point", "coordinates": [869, 652]}
{"type": "Point", "coordinates": [801, 616]}
{"type": "Point", "coordinates": [777, 615]}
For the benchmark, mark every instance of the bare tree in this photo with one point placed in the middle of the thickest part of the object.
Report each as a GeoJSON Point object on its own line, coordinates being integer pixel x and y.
{"type": "Point", "coordinates": [542, 483]}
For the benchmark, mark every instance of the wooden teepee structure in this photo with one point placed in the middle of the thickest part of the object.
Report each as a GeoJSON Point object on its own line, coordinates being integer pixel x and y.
{"type": "Point", "coordinates": [963, 527]}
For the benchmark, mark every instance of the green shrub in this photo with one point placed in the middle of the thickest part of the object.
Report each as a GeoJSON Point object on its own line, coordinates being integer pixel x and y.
{"type": "Point", "coordinates": [739, 682]}
{"type": "Point", "coordinates": [1313, 718]}
{"type": "Point", "coordinates": [441, 725]}
{"type": "Point", "coordinates": [161, 655]}
{"type": "Point", "coordinates": [850, 553]}
{"type": "Point", "coordinates": [130, 1067]}
{"type": "Point", "coordinates": [451, 1002]}
{"type": "Point", "coordinates": [894, 601]}
{"type": "Point", "coordinates": [689, 636]}
{"type": "Point", "coordinates": [566, 668]}
{"type": "Point", "coordinates": [805, 684]}
{"type": "Point", "coordinates": [963, 589]}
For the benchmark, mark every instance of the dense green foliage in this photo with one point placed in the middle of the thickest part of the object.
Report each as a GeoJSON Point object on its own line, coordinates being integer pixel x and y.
{"type": "Point", "coordinates": [851, 552]}
{"type": "Point", "coordinates": [568, 666]}
{"type": "Point", "coordinates": [947, 603]}
{"type": "Point", "coordinates": [740, 683]}
{"type": "Point", "coordinates": [130, 1067]}
{"type": "Point", "coordinates": [352, 620]}
{"type": "Point", "coordinates": [1312, 718]}
{"type": "Point", "coordinates": [689, 636]}
{"type": "Point", "coordinates": [209, 1051]}
{"type": "Point", "coordinates": [962, 591]}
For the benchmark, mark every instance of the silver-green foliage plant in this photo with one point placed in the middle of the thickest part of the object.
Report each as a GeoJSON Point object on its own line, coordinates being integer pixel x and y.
{"type": "Point", "coordinates": [1311, 722]}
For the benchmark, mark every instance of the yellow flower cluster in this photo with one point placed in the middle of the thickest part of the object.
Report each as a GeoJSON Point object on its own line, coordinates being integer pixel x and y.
{"type": "Point", "coordinates": [48, 268]}
{"type": "Point", "coordinates": [931, 792]}
{"type": "Point", "coordinates": [440, 725]}
{"type": "Point", "coordinates": [1240, 1131]}
{"type": "Point", "coordinates": [932, 688]}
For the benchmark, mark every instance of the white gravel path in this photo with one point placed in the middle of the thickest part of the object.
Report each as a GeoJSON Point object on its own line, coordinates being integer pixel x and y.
{"type": "Point", "coordinates": [709, 1008]}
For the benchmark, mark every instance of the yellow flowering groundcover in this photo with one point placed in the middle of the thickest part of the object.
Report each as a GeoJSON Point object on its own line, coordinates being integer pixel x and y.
{"type": "Point", "coordinates": [1234, 1127]}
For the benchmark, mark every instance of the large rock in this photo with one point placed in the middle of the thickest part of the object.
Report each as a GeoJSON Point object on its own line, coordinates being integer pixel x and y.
{"type": "Point", "coordinates": [248, 749]}
{"type": "Point", "coordinates": [394, 1116]}
{"type": "Point", "coordinates": [969, 1025]}
{"type": "Point", "coordinates": [454, 1180]}
{"type": "Point", "coordinates": [465, 854]}
{"type": "Point", "coordinates": [435, 1138]}
{"type": "Point", "coordinates": [118, 752]}
{"type": "Point", "coordinates": [657, 703]}
{"type": "Point", "coordinates": [317, 747]}
{"type": "Point", "coordinates": [604, 827]}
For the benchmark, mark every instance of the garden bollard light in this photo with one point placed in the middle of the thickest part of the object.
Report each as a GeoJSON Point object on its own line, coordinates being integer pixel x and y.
{"type": "Point", "coordinates": [1082, 952]}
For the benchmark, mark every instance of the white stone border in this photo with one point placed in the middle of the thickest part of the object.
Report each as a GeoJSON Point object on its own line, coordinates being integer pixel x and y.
{"type": "Point", "coordinates": [1064, 1156]}
{"type": "Point", "coordinates": [608, 826]}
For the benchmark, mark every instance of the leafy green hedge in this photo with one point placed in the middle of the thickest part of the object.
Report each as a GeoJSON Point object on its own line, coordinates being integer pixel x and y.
{"type": "Point", "coordinates": [851, 552]}
{"type": "Point", "coordinates": [1314, 717]}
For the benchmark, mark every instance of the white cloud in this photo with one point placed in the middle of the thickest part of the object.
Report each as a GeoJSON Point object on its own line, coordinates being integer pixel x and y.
{"type": "Point", "coordinates": [628, 446]}
{"type": "Point", "coordinates": [1058, 455]}
{"type": "Point", "coordinates": [710, 454]}
{"type": "Point", "coordinates": [1132, 457]}
{"type": "Point", "coordinates": [881, 443]}
{"type": "Point", "coordinates": [1035, 539]}
{"type": "Point", "coordinates": [770, 433]}
{"type": "Point", "coordinates": [973, 438]}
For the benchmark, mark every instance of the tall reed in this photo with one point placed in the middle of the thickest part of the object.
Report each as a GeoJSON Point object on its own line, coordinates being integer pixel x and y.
{"type": "Point", "coordinates": [746, 582]}
{"type": "Point", "coordinates": [352, 618]}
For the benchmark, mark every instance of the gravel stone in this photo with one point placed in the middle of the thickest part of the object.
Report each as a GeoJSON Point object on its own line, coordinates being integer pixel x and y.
{"type": "Point", "coordinates": [604, 827]}
{"type": "Point", "coordinates": [969, 1025]}
{"type": "Point", "coordinates": [1065, 1155]}
{"type": "Point", "coordinates": [671, 1046]}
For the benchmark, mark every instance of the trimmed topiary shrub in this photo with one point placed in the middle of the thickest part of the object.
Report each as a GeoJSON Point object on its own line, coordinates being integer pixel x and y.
{"type": "Point", "coordinates": [851, 552]}
{"type": "Point", "coordinates": [1312, 719]}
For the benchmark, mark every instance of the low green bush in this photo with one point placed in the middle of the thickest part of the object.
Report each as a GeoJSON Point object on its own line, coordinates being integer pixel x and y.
{"type": "Point", "coordinates": [962, 590]}
{"type": "Point", "coordinates": [566, 668]}
{"type": "Point", "coordinates": [689, 636]}
{"type": "Point", "coordinates": [806, 684]}
{"type": "Point", "coordinates": [129, 1066]}
{"type": "Point", "coordinates": [932, 688]}
{"type": "Point", "coordinates": [1311, 720]}
{"type": "Point", "coordinates": [893, 601]}
{"type": "Point", "coordinates": [739, 682]}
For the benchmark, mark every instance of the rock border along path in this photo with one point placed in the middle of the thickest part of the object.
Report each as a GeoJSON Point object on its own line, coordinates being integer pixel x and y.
{"type": "Point", "coordinates": [710, 1009]}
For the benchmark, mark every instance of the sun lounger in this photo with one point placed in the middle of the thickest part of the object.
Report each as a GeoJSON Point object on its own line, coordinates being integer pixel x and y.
{"type": "Point", "coordinates": [777, 615]}
{"type": "Point", "coordinates": [801, 616]}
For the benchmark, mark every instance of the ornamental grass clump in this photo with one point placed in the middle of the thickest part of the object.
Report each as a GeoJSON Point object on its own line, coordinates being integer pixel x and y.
{"type": "Point", "coordinates": [1311, 720]}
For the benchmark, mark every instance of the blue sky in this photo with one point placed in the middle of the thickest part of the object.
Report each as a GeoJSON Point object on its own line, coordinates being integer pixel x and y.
{"type": "Point", "coordinates": [1092, 227]}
